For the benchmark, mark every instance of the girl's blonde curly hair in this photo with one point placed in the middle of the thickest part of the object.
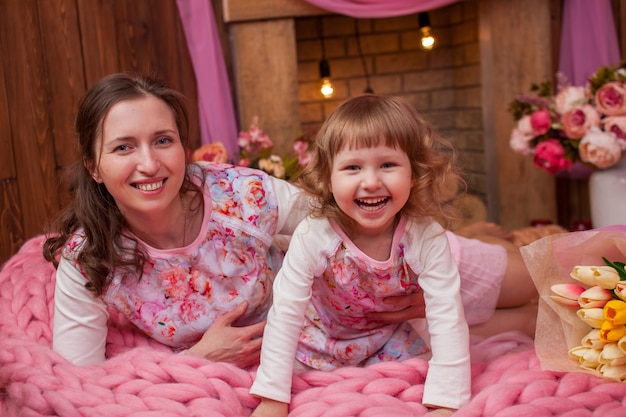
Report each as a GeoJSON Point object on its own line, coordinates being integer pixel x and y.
{"type": "Point", "coordinates": [369, 121]}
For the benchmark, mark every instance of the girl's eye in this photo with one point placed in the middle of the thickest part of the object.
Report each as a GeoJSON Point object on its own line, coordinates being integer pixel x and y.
{"type": "Point", "coordinates": [352, 168]}
{"type": "Point", "coordinates": [388, 165]}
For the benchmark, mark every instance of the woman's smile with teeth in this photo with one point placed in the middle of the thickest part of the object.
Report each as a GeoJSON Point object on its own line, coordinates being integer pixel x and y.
{"type": "Point", "coordinates": [149, 187]}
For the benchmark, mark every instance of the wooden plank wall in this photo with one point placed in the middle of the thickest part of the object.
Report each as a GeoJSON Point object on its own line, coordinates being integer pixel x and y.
{"type": "Point", "coordinates": [52, 50]}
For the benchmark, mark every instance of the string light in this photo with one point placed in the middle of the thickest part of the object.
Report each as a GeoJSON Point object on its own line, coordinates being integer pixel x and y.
{"type": "Point", "coordinates": [326, 87]}
{"type": "Point", "coordinates": [427, 40]}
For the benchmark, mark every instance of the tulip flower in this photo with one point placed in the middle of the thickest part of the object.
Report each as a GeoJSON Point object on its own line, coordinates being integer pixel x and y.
{"type": "Point", "coordinates": [612, 355]}
{"type": "Point", "coordinates": [567, 294]}
{"type": "Point", "coordinates": [612, 333]}
{"type": "Point", "coordinates": [594, 297]}
{"type": "Point", "coordinates": [604, 276]}
{"type": "Point", "coordinates": [615, 312]}
{"type": "Point", "coordinates": [617, 373]}
{"type": "Point", "coordinates": [620, 290]}
{"type": "Point", "coordinates": [592, 316]}
{"type": "Point", "coordinates": [621, 344]}
{"type": "Point", "coordinates": [586, 357]}
{"type": "Point", "coordinates": [592, 340]}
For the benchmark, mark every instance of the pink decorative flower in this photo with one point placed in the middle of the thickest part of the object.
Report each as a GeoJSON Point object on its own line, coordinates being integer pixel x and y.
{"type": "Point", "coordinates": [578, 120]}
{"type": "Point", "coordinates": [254, 140]}
{"type": "Point", "coordinates": [212, 152]}
{"type": "Point", "coordinates": [568, 98]}
{"type": "Point", "coordinates": [616, 125]}
{"type": "Point", "coordinates": [525, 126]}
{"type": "Point", "coordinates": [521, 142]}
{"type": "Point", "coordinates": [301, 149]}
{"type": "Point", "coordinates": [541, 120]}
{"type": "Point", "coordinates": [550, 156]}
{"type": "Point", "coordinates": [599, 148]}
{"type": "Point", "coordinates": [610, 99]}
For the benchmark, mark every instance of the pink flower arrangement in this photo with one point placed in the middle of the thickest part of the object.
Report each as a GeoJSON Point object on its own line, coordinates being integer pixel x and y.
{"type": "Point", "coordinates": [578, 124]}
{"type": "Point", "coordinates": [256, 151]}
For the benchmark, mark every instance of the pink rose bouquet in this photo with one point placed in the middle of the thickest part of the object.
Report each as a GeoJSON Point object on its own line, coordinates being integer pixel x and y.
{"type": "Point", "coordinates": [577, 124]}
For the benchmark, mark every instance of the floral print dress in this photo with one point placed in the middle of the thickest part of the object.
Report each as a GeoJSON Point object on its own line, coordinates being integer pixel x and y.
{"type": "Point", "coordinates": [183, 291]}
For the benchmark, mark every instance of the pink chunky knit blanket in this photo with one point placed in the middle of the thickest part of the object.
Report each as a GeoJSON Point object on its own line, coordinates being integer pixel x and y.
{"type": "Point", "coordinates": [143, 378]}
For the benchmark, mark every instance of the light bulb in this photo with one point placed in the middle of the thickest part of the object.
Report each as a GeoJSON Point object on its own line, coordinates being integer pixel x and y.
{"type": "Point", "coordinates": [427, 41]}
{"type": "Point", "coordinates": [327, 88]}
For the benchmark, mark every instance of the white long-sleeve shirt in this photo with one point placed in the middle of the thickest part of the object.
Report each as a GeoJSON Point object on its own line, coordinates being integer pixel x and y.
{"type": "Point", "coordinates": [328, 284]}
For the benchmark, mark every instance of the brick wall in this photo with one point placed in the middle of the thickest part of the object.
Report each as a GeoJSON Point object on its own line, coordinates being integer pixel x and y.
{"type": "Point", "coordinates": [442, 84]}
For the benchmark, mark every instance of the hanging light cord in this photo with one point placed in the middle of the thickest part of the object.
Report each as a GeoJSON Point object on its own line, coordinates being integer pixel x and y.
{"type": "Point", "coordinates": [368, 88]}
{"type": "Point", "coordinates": [321, 35]}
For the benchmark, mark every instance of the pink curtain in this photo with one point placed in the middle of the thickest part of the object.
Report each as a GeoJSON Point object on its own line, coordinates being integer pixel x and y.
{"type": "Point", "coordinates": [588, 39]}
{"type": "Point", "coordinates": [215, 104]}
{"type": "Point", "coordinates": [378, 8]}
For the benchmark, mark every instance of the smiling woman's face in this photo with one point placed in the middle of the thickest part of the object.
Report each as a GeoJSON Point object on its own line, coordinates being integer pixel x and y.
{"type": "Point", "coordinates": [139, 156]}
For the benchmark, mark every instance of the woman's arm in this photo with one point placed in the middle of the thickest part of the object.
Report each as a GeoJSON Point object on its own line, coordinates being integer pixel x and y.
{"type": "Point", "coordinates": [80, 319]}
{"type": "Point", "coordinates": [222, 342]}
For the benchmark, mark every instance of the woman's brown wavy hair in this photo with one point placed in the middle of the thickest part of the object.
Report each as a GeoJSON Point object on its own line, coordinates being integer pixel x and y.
{"type": "Point", "coordinates": [92, 208]}
{"type": "Point", "coordinates": [370, 120]}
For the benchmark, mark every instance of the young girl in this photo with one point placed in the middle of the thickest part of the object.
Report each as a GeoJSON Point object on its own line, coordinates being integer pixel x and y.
{"type": "Point", "coordinates": [376, 176]}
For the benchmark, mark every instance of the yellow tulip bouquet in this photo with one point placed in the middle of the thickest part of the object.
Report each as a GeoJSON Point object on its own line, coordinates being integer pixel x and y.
{"type": "Point", "coordinates": [581, 281]}
{"type": "Point", "coordinates": [599, 303]}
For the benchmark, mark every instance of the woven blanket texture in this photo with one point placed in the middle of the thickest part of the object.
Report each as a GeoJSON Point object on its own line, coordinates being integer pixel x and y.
{"type": "Point", "coordinates": [142, 378]}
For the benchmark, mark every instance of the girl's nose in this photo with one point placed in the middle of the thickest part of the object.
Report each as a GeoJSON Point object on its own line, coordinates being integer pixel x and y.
{"type": "Point", "coordinates": [370, 180]}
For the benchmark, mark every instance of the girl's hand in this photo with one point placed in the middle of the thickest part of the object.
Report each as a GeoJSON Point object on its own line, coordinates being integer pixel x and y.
{"type": "Point", "coordinates": [413, 305]}
{"type": "Point", "coordinates": [222, 342]}
{"type": "Point", "coordinates": [271, 408]}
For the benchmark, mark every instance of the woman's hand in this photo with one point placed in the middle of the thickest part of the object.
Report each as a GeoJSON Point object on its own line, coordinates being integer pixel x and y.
{"type": "Point", "coordinates": [413, 307]}
{"type": "Point", "coordinates": [222, 342]}
{"type": "Point", "coordinates": [271, 408]}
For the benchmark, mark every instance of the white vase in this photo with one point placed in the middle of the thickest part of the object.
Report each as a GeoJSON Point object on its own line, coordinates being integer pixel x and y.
{"type": "Point", "coordinates": [607, 193]}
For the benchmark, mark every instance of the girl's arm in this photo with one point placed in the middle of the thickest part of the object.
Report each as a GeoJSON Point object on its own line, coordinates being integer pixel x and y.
{"type": "Point", "coordinates": [80, 319]}
{"type": "Point", "coordinates": [292, 292]}
{"type": "Point", "coordinates": [448, 382]}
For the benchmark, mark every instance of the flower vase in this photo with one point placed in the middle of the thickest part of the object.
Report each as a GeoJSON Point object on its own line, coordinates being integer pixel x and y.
{"type": "Point", "coordinates": [607, 193]}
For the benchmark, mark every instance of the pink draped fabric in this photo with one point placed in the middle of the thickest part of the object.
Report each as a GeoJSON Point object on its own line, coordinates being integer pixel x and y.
{"type": "Point", "coordinates": [378, 8]}
{"type": "Point", "coordinates": [215, 104]}
{"type": "Point", "coordinates": [588, 39]}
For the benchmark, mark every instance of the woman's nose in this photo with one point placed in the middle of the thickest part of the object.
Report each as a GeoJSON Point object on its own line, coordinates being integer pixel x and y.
{"type": "Point", "coordinates": [148, 162]}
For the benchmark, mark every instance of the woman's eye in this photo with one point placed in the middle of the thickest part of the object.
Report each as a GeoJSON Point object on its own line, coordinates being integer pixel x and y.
{"type": "Point", "coordinates": [122, 148]}
{"type": "Point", "coordinates": [164, 140]}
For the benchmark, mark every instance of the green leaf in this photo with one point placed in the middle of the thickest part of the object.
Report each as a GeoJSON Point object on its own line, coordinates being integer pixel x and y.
{"type": "Point", "coordinates": [619, 267]}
